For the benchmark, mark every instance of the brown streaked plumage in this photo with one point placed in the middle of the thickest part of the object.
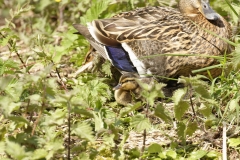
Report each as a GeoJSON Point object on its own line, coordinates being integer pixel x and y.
{"type": "Point", "coordinates": [162, 31]}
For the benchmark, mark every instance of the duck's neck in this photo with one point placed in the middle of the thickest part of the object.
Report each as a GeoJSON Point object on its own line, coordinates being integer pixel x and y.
{"type": "Point", "coordinates": [188, 9]}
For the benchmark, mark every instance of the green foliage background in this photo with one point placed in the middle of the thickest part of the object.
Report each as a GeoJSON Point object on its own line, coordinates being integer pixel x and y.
{"type": "Point", "coordinates": [47, 113]}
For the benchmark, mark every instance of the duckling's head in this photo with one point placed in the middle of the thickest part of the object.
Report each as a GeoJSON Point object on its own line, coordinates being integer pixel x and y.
{"type": "Point", "coordinates": [193, 8]}
{"type": "Point", "coordinates": [127, 82]}
{"type": "Point", "coordinates": [126, 88]}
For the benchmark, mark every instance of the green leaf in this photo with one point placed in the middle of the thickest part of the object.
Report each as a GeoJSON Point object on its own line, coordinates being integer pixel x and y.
{"type": "Point", "coordinates": [35, 98]}
{"type": "Point", "coordinates": [232, 9]}
{"type": "Point", "coordinates": [150, 89]}
{"type": "Point", "coordinates": [7, 66]}
{"type": "Point", "coordinates": [155, 148]}
{"type": "Point", "coordinates": [191, 128]}
{"type": "Point", "coordinates": [180, 109]}
{"type": "Point", "coordinates": [69, 37]}
{"type": "Point", "coordinates": [181, 130]}
{"type": "Point", "coordinates": [53, 147]}
{"type": "Point", "coordinates": [150, 96]}
{"type": "Point", "coordinates": [109, 139]}
{"type": "Point", "coordinates": [99, 124]}
{"type": "Point", "coordinates": [2, 147]}
{"type": "Point", "coordinates": [97, 7]}
{"type": "Point", "coordinates": [11, 64]}
{"type": "Point", "coordinates": [205, 110]}
{"type": "Point", "coordinates": [82, 5]}
{"type": "Point", "coordinates": [84, 156]}
{"type": "Point", "coordinates": [106, 68]}
{"type": "Point", "coordinates": [197, 154]}
{"type": "Point", "coordinates": [178, 95]}
{"type": "Point", "coordinates": [82, 112]}
{"type": "Point", "coordinates": [8, 106]}
{"type": "Point", "coordinates": [5, 40]}
{"type": "Point", "coordinates": [236, 58]}
{"type": "Point", "coordinates": [171, 154]}
{"type": "Point", "coordinates": [140, 123]}
{"type": "Point", "coordinates": [160, 112]}
{"type": "Point", "coordinates": [213, 154]}
{"type": "Point", "coordinates": [18, 119]}
{"type": "Point", "coordinates": [127, 110]}
{"type": "Point", "coordinates": [55, 117]}
{"type": "Point", "coordinates": [134, 153]}
{"type": "Point", "coordinates": [233, 104]}
{"type": "Point", "coordinates": [43, 4]}
{"type": "Point", "coordinates": [14, 89]}
{"type": "Point", "coordinates": [5, 81]}
{"type": "Point", "coordinates": [210, 122]}
{"type": "Point", "coordinates": [162, 155]}
{"type": "Point", "coordinates": [15, 150]}
{"type": "Point", "coordinates": [234, 142]}
{"type": "Point", "coordinates": [202, 91]}
{"type": "Point", "coordinates": [39, 154]}
{"type": "Point", "coordinates": [83, 130]}
{"type": "Point", "coordinates": [60, 51]}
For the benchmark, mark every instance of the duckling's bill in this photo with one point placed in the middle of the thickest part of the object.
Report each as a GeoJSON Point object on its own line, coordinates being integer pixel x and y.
{"type": "Point", "coordinates": [117, 87]}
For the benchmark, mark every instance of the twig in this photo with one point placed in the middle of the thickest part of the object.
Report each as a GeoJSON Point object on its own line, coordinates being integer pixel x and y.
{"type": "Point", "coordinates": [144, 133]}
{"type": "Point", "coordinates": [36, 122]}
{"type": "Point", "coordinates": [69, 116]}
{"type": "Point", "coordinates": [224, 147]}
{"type": "Point", "coordinates": [190, 97]}
{"type": "Point", "coordinates": [12, 47]}
{"type": "Point", "coordinates": [61, 15]}
{"type": "Point", "coordinates": [144, 141]}
{"type": "Point", "coordinates": [40, 113]}
{"type": "Point", "coordinates": [69, 130]}
{"type": "Point", "coordinates": [61, 81]}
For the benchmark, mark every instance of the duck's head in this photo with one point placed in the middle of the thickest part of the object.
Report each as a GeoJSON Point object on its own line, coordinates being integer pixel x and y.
{"type": "Point", "coordinates": [127, 82]}
{"type": "Point", "coordinates": [193, 8]}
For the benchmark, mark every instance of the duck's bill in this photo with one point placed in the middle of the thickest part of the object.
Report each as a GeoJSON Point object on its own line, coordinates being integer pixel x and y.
{"type": "Point", "coordinates": [208, 12]}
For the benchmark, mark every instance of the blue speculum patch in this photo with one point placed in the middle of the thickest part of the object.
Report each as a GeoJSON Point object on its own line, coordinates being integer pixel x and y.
{"type": "Point", "coordinates": [120, 59]}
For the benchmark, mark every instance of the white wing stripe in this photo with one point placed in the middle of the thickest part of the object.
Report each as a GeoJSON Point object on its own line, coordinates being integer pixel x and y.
{"type": "Point", "coordinates": [136, 62]}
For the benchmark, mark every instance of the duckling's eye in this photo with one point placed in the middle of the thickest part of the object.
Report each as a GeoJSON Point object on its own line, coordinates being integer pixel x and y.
{"type": "Point", "coordinates": [205, 6]}
{"type": "Point", "coordinates": [128, 81]}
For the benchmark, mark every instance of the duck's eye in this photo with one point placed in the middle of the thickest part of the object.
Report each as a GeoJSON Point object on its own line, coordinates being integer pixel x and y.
{"type": "Point", "coordinates": [205, 6]}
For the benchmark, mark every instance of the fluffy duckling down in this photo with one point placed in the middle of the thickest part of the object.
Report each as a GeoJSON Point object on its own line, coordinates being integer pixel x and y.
{"type": "Point", "coordinates": [129, 88]}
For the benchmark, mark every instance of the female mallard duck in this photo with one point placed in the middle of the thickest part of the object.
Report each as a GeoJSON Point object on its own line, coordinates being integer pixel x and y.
{"type": "Point", "coordinates": [128, 89]}
{"type": "Point", "coordinates": [130, 39]}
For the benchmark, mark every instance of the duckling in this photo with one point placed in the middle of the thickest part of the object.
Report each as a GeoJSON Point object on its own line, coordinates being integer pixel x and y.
{"type": "Point", "coordinates": [128, 89]}
{"type": "Point", "coordinates": [146, 40]}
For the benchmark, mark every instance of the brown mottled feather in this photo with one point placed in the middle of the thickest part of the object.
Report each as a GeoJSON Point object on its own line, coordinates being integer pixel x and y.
{"type": "Point", "coordinates": [163, 30]}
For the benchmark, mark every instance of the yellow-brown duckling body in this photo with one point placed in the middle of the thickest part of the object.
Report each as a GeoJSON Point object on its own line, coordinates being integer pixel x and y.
{"type": "Point", "coordinates": [128, 90]}
{"type": "Point", "coordinates": [144, 40]}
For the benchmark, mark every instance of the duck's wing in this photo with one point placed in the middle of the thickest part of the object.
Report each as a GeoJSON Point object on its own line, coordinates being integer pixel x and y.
{"type": "Point", "coordinates": [83, 30]}
{"type": "Point", "coordinates": [140, 24]}
{"type": "Point", "coordinates": [116, 55]}
{"type": "Point", "coordinates": [110, 36]}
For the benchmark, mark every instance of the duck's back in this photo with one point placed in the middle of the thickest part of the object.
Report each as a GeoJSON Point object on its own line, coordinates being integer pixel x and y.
{"type": "Point", "coordinates": [154, 33]}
